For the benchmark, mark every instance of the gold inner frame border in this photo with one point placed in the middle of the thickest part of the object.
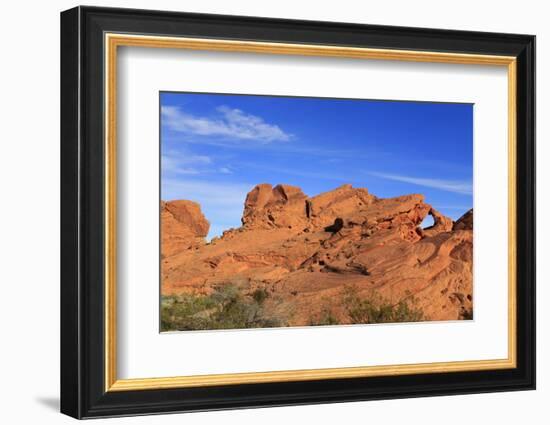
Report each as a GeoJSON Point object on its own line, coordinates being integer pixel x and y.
{"type": "Point", "coordinates": [111, 43]}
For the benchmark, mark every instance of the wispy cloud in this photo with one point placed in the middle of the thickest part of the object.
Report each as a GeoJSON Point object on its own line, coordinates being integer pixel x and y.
{"type": "Point", "coordinates": [175, 162]}
{"type": "Point", "coordinates": [298, 172]}
{"type": "Point", "coordinates": [462, 187]}
{"type": "Point", "coordinates": [213, 192]}
{"type": "Point", "coordinates": [225, 170]}
{"type": "Point", "coordinates": [183, 162]}
{"type": "Point", "coordinates": [228, 123]}
{"type": "Point", "coordinates": [454, 207]}
{"type": "Point", "coordinates": [282, 149]}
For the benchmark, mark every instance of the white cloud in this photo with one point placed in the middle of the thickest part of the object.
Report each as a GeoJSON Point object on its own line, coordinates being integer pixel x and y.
{"type": "Point", "coordinates": [462, 187]}
{"type": "Point", "coordinates": [230, 123]}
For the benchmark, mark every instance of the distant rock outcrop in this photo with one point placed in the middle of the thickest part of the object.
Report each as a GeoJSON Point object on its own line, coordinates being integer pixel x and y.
{"type": "Point", "coordinates": [304, 250]}
{"type": "Point", "coordinates": [466, 222]}
{"type": "Point", "coordinates": [280, 206]}
{"type": "Point", "coordinates": [183, 226]}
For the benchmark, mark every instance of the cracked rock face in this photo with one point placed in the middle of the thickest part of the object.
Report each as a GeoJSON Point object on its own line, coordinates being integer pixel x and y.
{"type": "Point", "coordinates": [305, 250]}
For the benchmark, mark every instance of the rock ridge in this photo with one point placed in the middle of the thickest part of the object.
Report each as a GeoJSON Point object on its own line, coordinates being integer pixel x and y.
{"type": "Point", "coordinates": [304, 250]}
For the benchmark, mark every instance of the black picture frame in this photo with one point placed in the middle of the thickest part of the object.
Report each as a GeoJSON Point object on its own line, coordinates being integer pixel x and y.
{"type": "Point", "coordinates": [83, 392]}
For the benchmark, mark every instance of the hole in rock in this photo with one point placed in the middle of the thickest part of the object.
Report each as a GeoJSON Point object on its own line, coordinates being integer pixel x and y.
{"type": "Point", "coordinates": [427, 222]}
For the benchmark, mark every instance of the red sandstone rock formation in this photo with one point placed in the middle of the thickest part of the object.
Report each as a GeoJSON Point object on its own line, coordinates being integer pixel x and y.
{"type": "Point", "coordinates": [466, 222]}
{"type": "Point", "coordinates": [304, 251]}
{"type": "Point", "coordinates": [182, 226]}
{"type": "Point", "coordinates": [280, 206]}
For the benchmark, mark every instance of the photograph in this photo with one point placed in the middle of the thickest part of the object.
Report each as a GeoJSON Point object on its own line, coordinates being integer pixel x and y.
{"type": "Point", "coordinates": [284, 211]}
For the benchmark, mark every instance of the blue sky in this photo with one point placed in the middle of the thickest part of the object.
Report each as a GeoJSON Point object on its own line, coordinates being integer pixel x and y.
{"type": "Point", "coordinates": [215, 148]}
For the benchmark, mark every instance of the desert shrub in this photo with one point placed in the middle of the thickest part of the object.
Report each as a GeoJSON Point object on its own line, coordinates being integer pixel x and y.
{"type": "Point", "coordinates": [326, 315]}
{"type": "Point", "coordinates": [185, 312]}
{"type": "Point", "coordinates": [466, 314]}
{"type": "Point", "coordinates": [326, 318]}
{"type": "Point", "coordinates": [226, 308]}
{"type": "Point", "coordinates": [373, 308]}
{"type": "Point", "coordinates": [260, 295]}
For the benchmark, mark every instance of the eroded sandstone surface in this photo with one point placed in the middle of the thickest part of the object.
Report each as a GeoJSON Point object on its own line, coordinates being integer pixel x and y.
{"type": "Point", "coordinates": [304, 251]}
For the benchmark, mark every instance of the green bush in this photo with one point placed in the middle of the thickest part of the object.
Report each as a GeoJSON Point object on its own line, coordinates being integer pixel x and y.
{"type": "Point", "coordinates": [231, 307]}
{"type": "Point", "coordinates": [326, 318]}
{"type": "Point", "coordinates": [376, 309]}
{"type": "Point", "coordinates": [260, 295]}
{"type": "Point", "coordinates": [226, 308]}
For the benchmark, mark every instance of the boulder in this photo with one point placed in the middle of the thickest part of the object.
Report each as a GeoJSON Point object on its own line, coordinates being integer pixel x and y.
{"type": "Point", "coordinates": [274, 207]}
{"type": "Point", "coordinates": [183, 226]}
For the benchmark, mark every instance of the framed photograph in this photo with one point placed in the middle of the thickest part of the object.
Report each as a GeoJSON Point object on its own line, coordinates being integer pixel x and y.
{"type": "Point", "coordinates": [261, 212]}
